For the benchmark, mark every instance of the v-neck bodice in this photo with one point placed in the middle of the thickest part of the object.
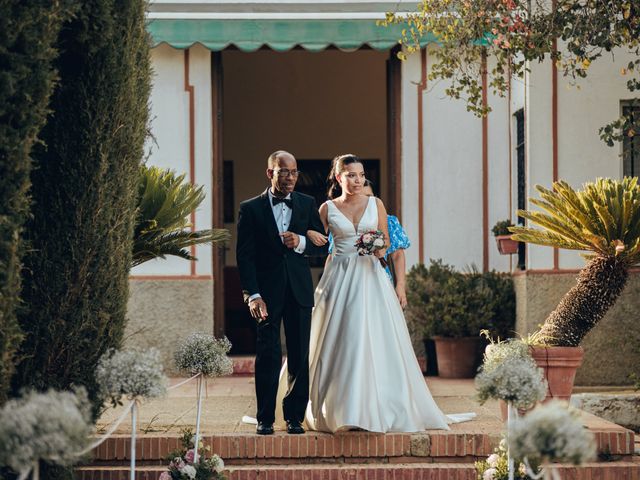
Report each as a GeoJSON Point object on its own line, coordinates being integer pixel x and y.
{"type": "Point", "coordinates": [344, 232]}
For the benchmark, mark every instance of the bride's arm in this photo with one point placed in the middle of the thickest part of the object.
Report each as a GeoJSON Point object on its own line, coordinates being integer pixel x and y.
{"type": "Point", "coordinates": [317, 238]}
{"type": "Point", "coordinates": [383, 227]}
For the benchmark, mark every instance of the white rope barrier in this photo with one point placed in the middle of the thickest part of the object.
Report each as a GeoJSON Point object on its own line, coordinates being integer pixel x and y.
{"type": "Point", "coordinates": [112, 429]}
{"type": "Point", "coordinates": [183, 382]}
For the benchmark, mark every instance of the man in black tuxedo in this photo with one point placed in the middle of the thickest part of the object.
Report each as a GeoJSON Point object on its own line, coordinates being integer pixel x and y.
{"type": "Point", "coordinates": [276, 284]}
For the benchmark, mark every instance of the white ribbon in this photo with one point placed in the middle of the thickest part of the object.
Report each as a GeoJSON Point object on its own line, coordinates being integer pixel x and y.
{"type": "Point", "coordinates": [112, 429]}
{"type": "Point", "coordinates": [183, 382]}
{"type": "Point", "coordinates": [547, 472]}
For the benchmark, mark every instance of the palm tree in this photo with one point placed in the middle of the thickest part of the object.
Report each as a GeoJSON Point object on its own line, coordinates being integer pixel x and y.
{"type": "Point", "coordinates": [602, 219]}
{"type": "Point", "coordinates": [165, 202]}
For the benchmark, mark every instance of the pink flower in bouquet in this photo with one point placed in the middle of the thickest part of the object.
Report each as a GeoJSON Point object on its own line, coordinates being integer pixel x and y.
{"type": "Point", "coordinates": [165, 476]}
{"type": "Point", "coordinates": [177, 463]}
{"type": "Point", "coordinates": [190, 456]}
{"type": "Point", "coordinates": [367, 238]}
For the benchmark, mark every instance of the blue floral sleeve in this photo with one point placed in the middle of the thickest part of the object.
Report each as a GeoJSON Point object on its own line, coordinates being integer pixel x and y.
{"type": "Point", "coordinates": [397, 236]}
{"type": "Point", "coordinates": [330, 243]}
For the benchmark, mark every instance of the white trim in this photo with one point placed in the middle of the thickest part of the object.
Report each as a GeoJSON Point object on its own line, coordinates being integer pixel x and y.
{"type": "Point", "coordinates": [265, 16]}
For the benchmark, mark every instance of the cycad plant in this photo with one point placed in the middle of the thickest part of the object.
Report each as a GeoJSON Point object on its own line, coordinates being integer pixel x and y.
{"type": "Point", "coordinates": [602, 219]}
{"type": "Point", "coordinates": [165, 202]}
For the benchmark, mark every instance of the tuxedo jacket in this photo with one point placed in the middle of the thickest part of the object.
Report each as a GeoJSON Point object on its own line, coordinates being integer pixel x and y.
{"type": "Point", "coordinates": [266, 265]}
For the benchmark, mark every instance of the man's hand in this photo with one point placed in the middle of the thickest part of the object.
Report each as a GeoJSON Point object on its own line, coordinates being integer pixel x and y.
{"type": "Point", "coordinates": [290, 239]}
{"type": "Point", "coordinates": [258, 309]}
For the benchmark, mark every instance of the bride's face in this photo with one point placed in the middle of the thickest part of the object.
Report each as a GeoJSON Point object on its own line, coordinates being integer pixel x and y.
{"type": "Point", "coordinates": [352, 178]}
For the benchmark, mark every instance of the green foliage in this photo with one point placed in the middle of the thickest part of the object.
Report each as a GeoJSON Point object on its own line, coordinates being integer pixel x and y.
{"type": "Point", "coordinates": [28, 30]}
{"type": "Point", "coordinates": [165, 202]}
{"type": "Point", "coordinates": [514, 33]}
{"type": "Point", "coordinates": [84, 197]}
{"type": "Point", "coordinates": [444, 302]}
{"type": "Point", "coordinates": [602, 219]}
{"type": "Point", "coordinates": [502, 227]}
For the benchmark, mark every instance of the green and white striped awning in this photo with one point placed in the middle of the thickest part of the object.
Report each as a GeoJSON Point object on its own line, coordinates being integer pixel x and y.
{"type": "Point", "coordinates": [278, 24]}
{"type": "Point", "coordinates": [280, 35]}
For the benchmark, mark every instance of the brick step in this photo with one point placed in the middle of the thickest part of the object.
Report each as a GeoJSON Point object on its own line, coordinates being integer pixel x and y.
{"type": "Point", "coordinates": [314, 447]}
{"type": "Point", "coordinates": [417, 471]}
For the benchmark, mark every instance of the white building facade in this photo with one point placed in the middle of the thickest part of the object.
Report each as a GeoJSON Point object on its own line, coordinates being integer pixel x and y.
{"type": "Point", "coordinates": [237, 80]}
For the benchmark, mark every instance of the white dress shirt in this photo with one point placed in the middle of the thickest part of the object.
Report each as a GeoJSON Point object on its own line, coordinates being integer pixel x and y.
{"type": "Point", "coordinates": [282, 215]}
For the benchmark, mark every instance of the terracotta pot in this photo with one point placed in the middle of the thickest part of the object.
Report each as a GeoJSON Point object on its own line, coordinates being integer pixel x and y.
{"type": "Point", "coordinates": [457, 356]}
{"type": "Point", "coordinates": [506, 246]}
{"type": "Point", "coordinates": [559, 365]}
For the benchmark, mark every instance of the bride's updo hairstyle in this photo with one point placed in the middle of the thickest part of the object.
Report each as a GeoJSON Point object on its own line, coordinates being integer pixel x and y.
{"type": "Point", "coordinates": [337, 167]}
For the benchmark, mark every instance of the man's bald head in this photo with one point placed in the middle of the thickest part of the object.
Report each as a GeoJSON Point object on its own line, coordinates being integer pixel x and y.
{"type": "Point", "coordinates": [272, 161]}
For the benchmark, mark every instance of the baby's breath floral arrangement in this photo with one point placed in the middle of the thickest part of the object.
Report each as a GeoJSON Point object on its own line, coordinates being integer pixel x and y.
{"type": "Point", "coordinates": [495, 466]}
{"type": "Point", "coordinates": [183, 466]}
{"type": "Point", "coordinates": [498, 350]}
{"type": "Point", "coordinates": [552, 433]}
{"type": "Point", "coordinates": [204, 354]}
{"type": "Point", "coordinates": [133, 374]}
{"type": "Point", "coordinates": [509, 373]}
{"type": "Point", "coordinates": [51, 426]}
{"type": "Point", "coordinates": [516, 380]}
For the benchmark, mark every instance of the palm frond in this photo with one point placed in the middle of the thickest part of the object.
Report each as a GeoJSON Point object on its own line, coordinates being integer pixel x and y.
{"type": "Point", "coordinates": [603, 218]}
{"type": "Point", "coordinates": [165, 203]}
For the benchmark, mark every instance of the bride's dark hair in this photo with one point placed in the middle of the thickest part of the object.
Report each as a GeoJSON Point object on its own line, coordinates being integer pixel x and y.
{"type": "Point", "coordinates": [337, 167]}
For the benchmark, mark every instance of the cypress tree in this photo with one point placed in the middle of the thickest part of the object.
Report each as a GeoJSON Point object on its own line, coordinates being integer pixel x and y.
{"type": "Point", "coordinates": [28, 29]}
{"type": "Point", "coordinates": [84, 197]}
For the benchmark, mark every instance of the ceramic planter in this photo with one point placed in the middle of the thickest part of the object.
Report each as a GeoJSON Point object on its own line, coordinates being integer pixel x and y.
{"type": "Point", "coordinates": [506, 246]}
{"type": "Point", "coordinates": [457, 356]}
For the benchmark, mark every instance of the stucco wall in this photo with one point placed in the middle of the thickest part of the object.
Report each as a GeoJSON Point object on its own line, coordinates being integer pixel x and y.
{"type": "Point", "coordinates": [452, 196]}
{"type": "Point", "coordinates": [163, 312]}
{"type": "Point", "coordinates": [612, 348]}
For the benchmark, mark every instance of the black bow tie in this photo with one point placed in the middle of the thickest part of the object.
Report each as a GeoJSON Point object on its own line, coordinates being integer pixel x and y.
{"type": "Point", "coordinates": [286, 201]}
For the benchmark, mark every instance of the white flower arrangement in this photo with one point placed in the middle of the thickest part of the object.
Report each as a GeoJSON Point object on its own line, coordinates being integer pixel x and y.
{"type": "Point", "coordinates": [131, 373]}
{"type": "Point", "coordinates": [184, 465]}
{"type": "Point", "coordinates": [497, 352]}
{"type": "Point", "coordinates": [204, 354]}
{"type": "Point", "coordinates": [495, 466]}
{"type": "Point", "coordinates": [49, 426]}
{"type": "Point", "coordinates": [552, 433]}
{"type": "Point", "coordinates": [516, 380]}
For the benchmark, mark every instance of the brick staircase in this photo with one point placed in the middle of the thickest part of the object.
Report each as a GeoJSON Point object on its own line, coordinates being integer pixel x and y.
{"type": "Point", "coordinates": [355, 455]}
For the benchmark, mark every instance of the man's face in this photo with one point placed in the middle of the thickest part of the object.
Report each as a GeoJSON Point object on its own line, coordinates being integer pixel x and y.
{"type": "Point", "coordinates": [284, 174]}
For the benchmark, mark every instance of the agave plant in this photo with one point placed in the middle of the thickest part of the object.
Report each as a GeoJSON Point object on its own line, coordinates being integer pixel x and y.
{"type": "Point", "coordinates": [165, 202]}
{"type": "Point", "coordinates": [602, 219]}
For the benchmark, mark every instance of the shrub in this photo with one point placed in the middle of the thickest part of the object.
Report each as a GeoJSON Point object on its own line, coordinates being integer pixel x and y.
{"type": "Point", "coordinates": [84, 197]}
{"type": "Point", "coordinates": [28, 30]}
{"type": "Point", "coordinates": [445, 302]}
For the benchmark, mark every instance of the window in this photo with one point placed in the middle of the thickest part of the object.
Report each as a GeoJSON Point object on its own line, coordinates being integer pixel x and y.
{"type": "Point", "coordinates": [631, 145]}
{"type": "Point", "coordinates": [521, 200]}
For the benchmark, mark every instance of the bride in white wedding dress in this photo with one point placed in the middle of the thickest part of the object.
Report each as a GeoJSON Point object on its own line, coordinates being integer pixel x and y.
{"type": "Point", "coordinates": [363, 372]}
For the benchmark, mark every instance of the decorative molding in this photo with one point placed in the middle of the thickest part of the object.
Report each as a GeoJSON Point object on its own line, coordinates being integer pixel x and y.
{"type": "Point", "coordinates": [421, 87]}
{"type": "Point", "coordinates": [192, 145]}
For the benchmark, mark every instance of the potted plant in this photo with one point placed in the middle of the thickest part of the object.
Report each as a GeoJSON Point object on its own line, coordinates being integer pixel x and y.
{"type": "Point", "coordinates": [602, 220]}
{"type": "Point", "coordinates": [506, 244]}
{"type": "Point", "coordinates": [451, 308]}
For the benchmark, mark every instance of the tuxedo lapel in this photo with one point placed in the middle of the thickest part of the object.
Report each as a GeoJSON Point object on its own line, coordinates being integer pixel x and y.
{"type": "Point", "coordinates": [295, 211]}
{"type": "Point", "coordinates": [269, 220]}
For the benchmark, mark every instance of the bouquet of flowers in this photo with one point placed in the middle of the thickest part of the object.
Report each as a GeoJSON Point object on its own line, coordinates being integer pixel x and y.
{"type": "Point", "coordinates": [182, 466]}
{"type": "Point", "coordinates": [369, 242]}
{"type": "Point", "coordinates": [495, 467]}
